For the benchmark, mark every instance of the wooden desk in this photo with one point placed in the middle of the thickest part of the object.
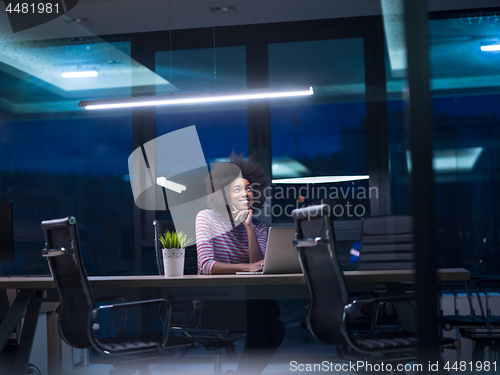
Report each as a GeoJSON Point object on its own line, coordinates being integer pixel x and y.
{"type": "Point", "coordinates": [35, 290]}
{"type": "Point", "coordinates": [229, 281]}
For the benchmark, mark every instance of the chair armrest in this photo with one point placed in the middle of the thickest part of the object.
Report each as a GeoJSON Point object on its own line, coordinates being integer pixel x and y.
{"type": "Point", "coordinates": [476, 282]}
{"type": "Point", "coordinates": [368, 299]}
{"type": "Point", "coordinates": [124, 314]}
{"type": "Point", "coordinates": [377, 301]}
{"type": "Point", "coordinates": [94, 313]}
{"type": "Point", "coordinates": [308, 242]}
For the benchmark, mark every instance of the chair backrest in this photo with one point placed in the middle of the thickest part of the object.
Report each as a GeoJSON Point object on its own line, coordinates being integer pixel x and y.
{"type": "Point", "coordinates": [386, 243]}
{"type": "Point", "coordinates": [190, 260]}
{"type": "Point", "coordinates": [62, 250]}
{"type": "Point", "coordinates": [328, 293]}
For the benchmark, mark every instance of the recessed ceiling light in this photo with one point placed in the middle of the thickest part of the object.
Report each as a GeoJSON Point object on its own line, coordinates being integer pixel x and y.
{"type": "Point", "coordinates": [89, 73]}
{"type": "Point", "coordinates": [223, 9]}
{"type": "Point", "coordinates": [78, 39]}
{"type": "Point", "coordinates": [82, 21]}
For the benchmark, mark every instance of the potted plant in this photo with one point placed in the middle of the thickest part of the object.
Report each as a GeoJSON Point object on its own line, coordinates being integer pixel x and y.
{"type": "Point", "coordinates": [173, 250]}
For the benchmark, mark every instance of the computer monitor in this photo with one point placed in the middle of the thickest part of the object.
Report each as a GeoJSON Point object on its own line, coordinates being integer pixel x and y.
{"type": "Point", "coordinates": [6, 231]}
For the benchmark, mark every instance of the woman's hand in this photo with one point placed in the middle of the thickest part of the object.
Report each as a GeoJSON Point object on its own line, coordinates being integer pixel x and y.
{"type": "Point", "coordinates": [221, 268]}
{"type": "Point", "coordinates": [256, 266]}
{"type": "Point", "coordinates": [243, 216]}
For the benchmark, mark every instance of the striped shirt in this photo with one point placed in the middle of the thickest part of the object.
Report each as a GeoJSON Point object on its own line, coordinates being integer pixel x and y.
{"type": "Point", "coordinates": [218, 241]}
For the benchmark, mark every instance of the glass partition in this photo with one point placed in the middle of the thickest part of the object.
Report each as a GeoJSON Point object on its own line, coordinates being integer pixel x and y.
{"type": "Point", "coordinates": [465, 89]}
{"type": "Point", "coordinates": [319, 144]}
{"type": "Point", "coordinates": [58, 160]}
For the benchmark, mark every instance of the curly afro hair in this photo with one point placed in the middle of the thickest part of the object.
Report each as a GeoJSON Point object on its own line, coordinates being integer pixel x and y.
{"type": "Point", "coordinates": [222, 174]}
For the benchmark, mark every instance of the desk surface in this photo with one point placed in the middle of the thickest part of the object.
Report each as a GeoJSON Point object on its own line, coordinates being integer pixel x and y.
{"type": "Point", "coordinates": [378, 276]}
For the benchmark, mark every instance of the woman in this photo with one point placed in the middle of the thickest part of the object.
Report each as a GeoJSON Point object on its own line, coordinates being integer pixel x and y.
{"type": "Point", "coordinates": [230, 240]}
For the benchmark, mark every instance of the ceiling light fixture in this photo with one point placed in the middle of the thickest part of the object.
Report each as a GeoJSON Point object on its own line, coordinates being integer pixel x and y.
{"type": "Point", "coordinates": [213, 97]}
{"type": "Point", "coordinates": [224, 9]}
{"type": "Point", "coordinates": [90, 73]}
{"type": "Point", "coordinates": [319, 179]}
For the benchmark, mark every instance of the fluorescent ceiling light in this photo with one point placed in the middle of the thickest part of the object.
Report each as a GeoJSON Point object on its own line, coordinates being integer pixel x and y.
{"type": "Point", "coordinates": [90, 73]}
{"type": "Point", "coordinates": [174, 186]}
{"type": "Point", "coordinates": [46, 63]}
{"type": "Point", "coordinates": [452, 160]}
{"type": "Point", "coordinates": [319, 180]}
{"type": "Point", "coordinates": [225, 96]}
{"type": "Point", "coordinates": [490, 47]}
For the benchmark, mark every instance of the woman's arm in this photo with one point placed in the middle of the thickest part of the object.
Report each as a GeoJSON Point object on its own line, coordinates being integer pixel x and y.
{"type": "Point", "coordinates": [220, 268]}
{"type": "Point", "coordinates": [204, 247]}
{"type": "Point", "coordinates": [255, 252]}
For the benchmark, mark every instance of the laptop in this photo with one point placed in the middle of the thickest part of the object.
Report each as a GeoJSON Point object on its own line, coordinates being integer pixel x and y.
{"type": "Point", "coordinates": [281, 255]}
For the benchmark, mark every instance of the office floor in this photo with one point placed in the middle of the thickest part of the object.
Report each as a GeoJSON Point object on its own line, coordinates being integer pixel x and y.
{"type": "Point", "coordinates": [201, 361]}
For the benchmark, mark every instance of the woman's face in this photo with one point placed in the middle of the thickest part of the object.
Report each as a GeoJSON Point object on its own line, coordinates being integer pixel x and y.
{"type": "Point", "coordinates": [240, 194]}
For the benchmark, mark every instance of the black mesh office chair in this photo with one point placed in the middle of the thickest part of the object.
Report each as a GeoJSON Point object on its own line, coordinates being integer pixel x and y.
{"type": "Point", "coordinates": [330, 303]}
{"type": "Point", "coordinates": [386, 243]}
{"type": "Point", "coordinates": [79, 312]}
{"type": "Point", "coordinates": [184, 318]}
{"type": "Point", "coordinates": [479, 327]}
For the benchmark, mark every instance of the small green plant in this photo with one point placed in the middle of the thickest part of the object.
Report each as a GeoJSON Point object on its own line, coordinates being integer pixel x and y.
{"type": "Point", "coordinates": [174, 240]}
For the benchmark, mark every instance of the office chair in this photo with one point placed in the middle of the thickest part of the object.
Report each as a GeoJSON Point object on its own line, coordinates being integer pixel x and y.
{"type": "Point", "coordinates": [483, 329]}
{"type": "Point", "coordinates": [331, 305]}
{"type": "Point", "coordinates": [184, 318]}
{"type": "Point", "coordinates": [79, 312]}
{"type": "Point", "coordinates": [386, 243]}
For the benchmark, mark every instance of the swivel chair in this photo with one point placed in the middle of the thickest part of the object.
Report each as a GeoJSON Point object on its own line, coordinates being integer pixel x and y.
{"type": "Point", "coordinates": [331, 305]}
{"type": "Point", "coordinates": [386, 243]}
{"type": "Point", "coordinates": [79, 312]}
{"type": "Point", "coordinates": [479, 327]}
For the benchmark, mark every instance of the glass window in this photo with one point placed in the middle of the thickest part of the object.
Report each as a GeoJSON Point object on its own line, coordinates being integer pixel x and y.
{"type": "Point", "coordinates": [465, 88]}
{"type": "Point", "coordinates": [323, 136]}
{"type": "Point", "coordinates": [221, 127]}
{"type": "Point", "coordinates": [58, 160]}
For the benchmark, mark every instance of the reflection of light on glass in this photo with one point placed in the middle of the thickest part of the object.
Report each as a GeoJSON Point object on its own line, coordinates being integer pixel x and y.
{"type": "Point", "coordinates": [191, 99]}
{"type": "Point", "coordinates": [288, 167]}
{"type": "Point", "coordinates": [395, 35]}
{"type": "Point", "coordinates": [174, 186]}
{"type": "Point", "coordinates": [451, 160]}
{"type": "Point", "coordinates": [491, 47]}
{"type": "Point", "coordinates": [90, 73]}
{"type": "Point", "coordinates": [319, 179]}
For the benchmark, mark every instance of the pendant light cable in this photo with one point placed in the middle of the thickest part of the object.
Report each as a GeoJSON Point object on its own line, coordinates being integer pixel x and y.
{"type": "Point", "coordinates": [170, 41]}
{"type": "Point", "coordinates": [215, 60]}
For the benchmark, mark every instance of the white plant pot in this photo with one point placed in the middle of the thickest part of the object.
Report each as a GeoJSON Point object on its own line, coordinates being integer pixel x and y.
{"type": "Point", "coordinates": [173, 262]}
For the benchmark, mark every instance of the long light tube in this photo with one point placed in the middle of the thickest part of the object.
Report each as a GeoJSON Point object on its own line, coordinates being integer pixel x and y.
{"type": "Point", "coordinates": [319, 179]}
{"type": "Point", "coordinates": [225, 96]}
